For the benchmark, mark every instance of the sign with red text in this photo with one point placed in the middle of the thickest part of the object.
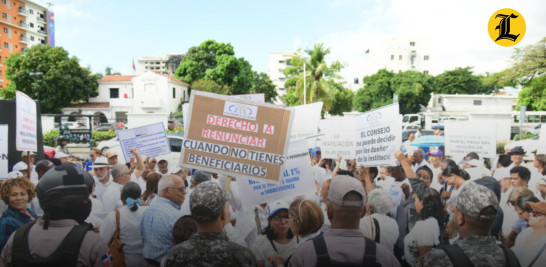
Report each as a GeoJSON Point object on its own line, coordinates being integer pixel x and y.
{"type": "Point", "coordinates": [26, 129]}
{"type": "Point", "coordinates": [236, 137]}
{"type": "Point", "coordinates": [378, 136]}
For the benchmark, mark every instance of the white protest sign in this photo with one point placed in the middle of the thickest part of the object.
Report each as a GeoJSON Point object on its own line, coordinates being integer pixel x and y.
{"type": "Point", "coordinates": [25, 135]}
{"type": "Point", "coordinates": [338, 138]}
{"type": "Point", "coordinates": [462, 138]}
{"type": "Point", "coordinates": [378, 136]}
{"type": "Point", "coordinates": [297, 179]}
{"type": "Point", "coordinates": [185, 114]}
{"type": "Point", "coordinates": [150, 140]}
{"type": "Point", "coordinates": [252, 97]}
{"type": "Point", "coordinates": [4, 151]}
{"type": "Point", "coordinates": [306, 120]}
{"type": "Point", "coordinates": [542, 140]}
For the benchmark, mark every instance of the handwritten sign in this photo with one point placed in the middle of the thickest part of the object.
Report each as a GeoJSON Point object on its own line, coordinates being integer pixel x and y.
{"type": "Point", "coordinates": [297, 179]}
{"type": "Point", "coordinates": [150, 140]}
{"type": "Point", "coordinates": [378, 135]}
{"type": "Point", "coordinates": [306, 120]}
{"type": "Point", "coordinates": [4, 151]}
{"type": "Point", "coordinates": [338, 138]}
{"type": "Point", "coordinates": [462, 138]}
{"type": "Point", "coordinates": [25, 137]}
{"type": "Point", "coordinates": [236, 137]}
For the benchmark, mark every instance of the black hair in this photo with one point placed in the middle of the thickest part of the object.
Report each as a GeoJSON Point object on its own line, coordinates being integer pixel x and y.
{"type": "Point", "coordinates": [374, 171]}
{"type": "Point", "coordinates": [505, 160]}
{"type": "Point", "coordinates": [457, 171]}
{"type": "Point", "coordinates": [526, 198]}
{"type": "Point", "coordinates": [132, 190]}
{"type": "Point", "coordinates": [522, 172]}
{"type": "Point", "coordinates": [427, 169]}
{"type": "Point", "coordinates": [472, 155]}
{"type": "Point", "coordinates": [450, 162]}
{"type": "Point", "coordinates": [270, 232]}
{"type": "Point", "coordinates": [183, 228]}
{"type": "Point", "coordinates": [432, 204]}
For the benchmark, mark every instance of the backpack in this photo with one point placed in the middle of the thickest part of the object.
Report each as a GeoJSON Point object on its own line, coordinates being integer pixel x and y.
{"type": "Point", "coordinates": [459, 259]}
{"type": "Point", "coordinates": [65, 255]}
{"type": "Point", "coordinates": [323, 259]}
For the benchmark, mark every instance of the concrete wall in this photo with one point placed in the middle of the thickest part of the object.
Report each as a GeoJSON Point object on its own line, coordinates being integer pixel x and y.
{"type": "Point", "coordinates": [142, 119]}
{"type": "Point", "coordinates": [125, 87]}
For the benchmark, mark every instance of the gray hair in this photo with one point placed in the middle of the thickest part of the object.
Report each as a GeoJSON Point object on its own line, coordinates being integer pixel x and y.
{"type": "Point", "coordinates": [117, 170]}
{"type": "Point", "coordinates": [380, 200]}
{"type": "Point", "coordinates": [420, 152]}
{"type": "Point", "coordinates": [165, 182]}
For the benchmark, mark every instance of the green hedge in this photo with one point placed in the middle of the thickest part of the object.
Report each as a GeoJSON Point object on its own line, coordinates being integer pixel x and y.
{"type": "Point", "coordinates": [50, 138]}
{"type": "Point", "coordinates": [525, 136]}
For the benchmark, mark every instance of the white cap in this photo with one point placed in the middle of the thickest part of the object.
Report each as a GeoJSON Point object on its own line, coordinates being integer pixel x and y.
{"type": "Point", "coordinates": [60, 154]}
{"type": "Point", "coordinates": [15, 174]}
{"type": "Point", "coordinates": [20, 166]}
{"type": "Point", "coordinates": [276, 206]}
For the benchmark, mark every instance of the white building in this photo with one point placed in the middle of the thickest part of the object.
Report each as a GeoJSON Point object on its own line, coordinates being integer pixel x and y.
{"type": "Point", "coordinates": [121, 96]}
{"type": "Point", "coordinates": [278, 62]}
{"type": "Point", "coordinates": [36, 22]}
{"type": "Point", "coordinates": [165, 65]}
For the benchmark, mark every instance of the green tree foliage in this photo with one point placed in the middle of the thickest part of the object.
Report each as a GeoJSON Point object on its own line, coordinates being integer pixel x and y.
{"type": "Point", "coordinates": [317, 76]}
{"type": "Point", "coordinates": [63, 80]}
{"type": "Point", "coordinates": [459, 81]}
{"type": "Point", "coordinates": [529, 62]}
{"type": "Point", "coordinates": [413, 90]}
{"type": "Point", "coordinates": [210, 86]}
{"type": "Point", "coordinates": [533, 95]}
{"type": "Point", "coordinates": [216, 62]}
{"type": "Point", "coordinates": [262, 84]}
{"type": "Point", "coordinates": [342, 99]}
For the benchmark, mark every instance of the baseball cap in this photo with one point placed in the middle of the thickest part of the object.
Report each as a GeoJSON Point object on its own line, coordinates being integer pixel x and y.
{"type": "Point", "coordinates": [207, 201]}
{"type": "Point", "coordinates": [200, 177]}
{"type": "Point", "coordinates": [276, 206]}
{"type": "Point", "coordinates": [20, 166]}
{"type": "Point", "coordinates": [517, 150]}
{"type": "Point", "coordinates": [60, 154]}
{"type": "Point", "coordinates": [100, 162]}
{"type": "Point", "coordinates": [473, 199]}
{"type": "Point", "coordinates": [15, 174]}
{"type": "Point", "coordinates": [435, 152]}
{"type": "Point", "coordinates": [110, 154]}
{"type": "Point", "coordinates": [27, 153]}
{"type": "Point", "coordinates": [343, 184]}
{"type": "Point", "coordinates": [539, 206]}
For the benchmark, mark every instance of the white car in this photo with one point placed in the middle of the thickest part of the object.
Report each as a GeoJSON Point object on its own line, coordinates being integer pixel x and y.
{"type": "Point", "coordinates": [107, 144]}
{"type": "Point", "coordinates": [534, 130]}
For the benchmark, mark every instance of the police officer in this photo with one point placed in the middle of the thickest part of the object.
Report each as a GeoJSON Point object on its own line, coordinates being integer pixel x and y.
{"type": "Point", "coordinates": [60, 237]}
{"type": "Point", "coordinates": [475, 211]}
{"type": "Point", "coordinates": [209, 246]}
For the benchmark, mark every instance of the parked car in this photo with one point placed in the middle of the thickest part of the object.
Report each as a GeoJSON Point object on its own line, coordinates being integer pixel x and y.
{"type": "Point", "coordinates": [73, 125]}
{"type": "Point", "coordinates": [406, 133]}
{"type": "Point", "coordinates": [534, 130]}
{"type": "Point", "coordinates": [103, 127]}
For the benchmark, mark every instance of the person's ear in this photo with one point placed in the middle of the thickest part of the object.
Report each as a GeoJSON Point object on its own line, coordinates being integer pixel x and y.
{"type": "Point", "coordinates": [460, 219]}
{"type": "Point", "coordinates": [363, 212]}
{"type": "Point", "coordinates": [329, 212]}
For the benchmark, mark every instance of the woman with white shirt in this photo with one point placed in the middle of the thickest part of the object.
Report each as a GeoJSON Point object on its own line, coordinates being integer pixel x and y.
{"type": "Point", "coordinates": [129, 217]}
{"type": "Point", "coordinates": [376, 224]}
{"type": "Point", "coordinates": [530, 245]}
{"type": "Point", "coordinates": [426, 232]}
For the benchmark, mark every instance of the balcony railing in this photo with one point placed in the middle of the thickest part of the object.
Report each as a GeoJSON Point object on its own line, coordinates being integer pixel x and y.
{"type": "Point", "coordinates": [41, 19]}
{"type": "Point", "coordinates": [42, 32]}
{"type": "Point", "coordinates": [23, 25]}
{"type": "Point", "coordinates": [24, 40]}
{"type": "Point", "coordinates": [23, 11]}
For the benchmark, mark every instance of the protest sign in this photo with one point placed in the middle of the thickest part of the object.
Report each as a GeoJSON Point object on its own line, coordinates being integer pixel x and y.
{"type": "Point", "coordinates": [4, 151]}
{"type": "Point", "coordinates": [25, 137]}
{"type": "Point", "coordinates": [542, 140]}
{"type": "Point", "coordinates": [378, 136]}
{"type": "Point", "coordinates": [150, 140]}
{"type": "Point", "coordinates": [462, 138]}
{"type": "Point", "coordinates": [236, 137]}
{"type": "Point", "coordinates": [297, 179]}
{"type": "Point", "coordinates": [185, 111]}
{"type": "Point", "coordinates": [306, 120]}
{"type": "Point", "coordinates": [338, 138]}
{"type": "Point", "coordinates": [252, 97]}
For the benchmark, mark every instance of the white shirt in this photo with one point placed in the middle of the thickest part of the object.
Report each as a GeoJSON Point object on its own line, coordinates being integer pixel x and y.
{"type": "Point", "coordinates": [386, 183]}
{"type": "Point", "coordinates": [424, 233]}
{"type": "Point", "coordinates": [129, 233]}
{"type": "Point", "coordinates": [111, 199]}
{"type": "Point", "coordinates": [262, 249]}
{"type": "Point", "coordinates": [246, 223]}
{"type": "Point", "coordinates": [97, 213]}
{"type": "Point", "coordinates": [388, 229]}
{"type": "Point", "coordinates": [100, 187]}
{"type": "Point", "coordinates": [527, 252]}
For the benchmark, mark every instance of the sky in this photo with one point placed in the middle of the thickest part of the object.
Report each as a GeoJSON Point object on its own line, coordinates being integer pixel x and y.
{"type": "Point", "coordinates": [116, 32]}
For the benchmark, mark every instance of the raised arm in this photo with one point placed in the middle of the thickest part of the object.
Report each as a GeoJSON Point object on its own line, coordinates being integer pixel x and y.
{"type": "Point", "coordinates": [139, 163]}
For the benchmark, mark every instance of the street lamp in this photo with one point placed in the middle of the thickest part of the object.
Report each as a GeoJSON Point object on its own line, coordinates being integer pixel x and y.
{"type": "Point", "coordinates": [36, 75]}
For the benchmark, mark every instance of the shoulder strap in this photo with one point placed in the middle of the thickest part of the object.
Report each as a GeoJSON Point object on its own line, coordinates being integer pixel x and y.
{"type": "Point", "coordinates": [538, 255]}
{"type": "Point", "coordinates": [369, 252]}
{"type": "Point", "coordinates": [273, 245]}
{"type": "Point", "coordinates": [72, 243]}
{"type": "Point", "coordinates": [323, 259]}
{"type": "Point", "coordinates": [511, 259]}
{"type": "Point", "coordinates": [377, 230]}
{"type": "Point", "coordinates": [20, 244]}
{"type": "Point", "coordinates": [457, 257]}
{"type": "Point", "coordinates": [116, 233]}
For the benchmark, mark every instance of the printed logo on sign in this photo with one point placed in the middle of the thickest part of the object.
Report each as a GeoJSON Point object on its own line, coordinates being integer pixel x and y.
{"type": "Point", "coordinates": [506, 27]}
{"type": "Point", "coordinates": [242, 111]}
{"type": "Point", "coordinates": [374, 117]}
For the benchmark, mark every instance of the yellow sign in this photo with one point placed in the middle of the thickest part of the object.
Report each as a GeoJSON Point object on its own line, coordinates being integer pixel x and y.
{"type": "Point", "coordinates": [506, 27]}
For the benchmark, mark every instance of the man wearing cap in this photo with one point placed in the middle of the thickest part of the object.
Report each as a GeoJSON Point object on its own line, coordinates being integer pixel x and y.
{"type": "Point", "coordinates": [163, 166]}
{"type": "Point", "coordinates": [156, 223]}
{"type": "Point", "coordinates": [344, 242]}
{"type": "Point", "coordinates": [209, 246]}
{"type": "Point", "coordinates": [62, 157]}
{"type": "Point", "coordinates": [435, 159]}
{"type": "Point", "coordinates": [102, 176]}
{"type": "Point", "coordinates": [28, 158]}
{"type": "Point", "coordinates": [475, 210]}
{"type": "Point", "coordinates": [112, 158]}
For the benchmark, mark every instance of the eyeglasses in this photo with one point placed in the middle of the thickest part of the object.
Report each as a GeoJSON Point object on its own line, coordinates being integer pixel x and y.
{"type": "Point", "coordinates": [181, 189]}
{"type": "Point", "coordinates": [537, 214]}
{"type": "Point", "coordinates": [278, 218]}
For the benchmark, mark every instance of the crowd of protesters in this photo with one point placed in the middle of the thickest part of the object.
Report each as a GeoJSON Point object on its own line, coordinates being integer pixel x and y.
{"type": "Point", "coordinates": [428, 210]}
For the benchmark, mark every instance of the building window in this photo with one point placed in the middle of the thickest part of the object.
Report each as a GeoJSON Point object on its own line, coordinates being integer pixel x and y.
{"type": "Point", "coordinates": [174, 93]}
{"type": "Point", "coordinates": [31, 11]}
{"type": "Point", "coordinates": [392, 57]}
{"type": "Point", "coordinates": [32, 38]}
{"type": "Point", "coordinates": [477, 102]}
{"type": "Point", "coordinates": [355, 80]}
{"type": "Point", "coordinates": [399, 71]}
{"type": "Point", "coordinates": [114, 92]}
{"type": "Point", "coordinates": [399, 57]}
{"type": "Point", "coordinates": [412, 43]}
{"type": "Point", "coordinates": [6, 45]}
{"type": "Point", "coordinates": [425, 72]}
{"type": "Point", "coordinates": [4, 15]}
{"type": "Point", "coordinates": [426, 58]}
{"type": "Point", "coordinates": [32, 25]}
{"type": "Point", "coordinates": [5, 30]}
{"type": "Point", "coordinates": [3, 1]}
